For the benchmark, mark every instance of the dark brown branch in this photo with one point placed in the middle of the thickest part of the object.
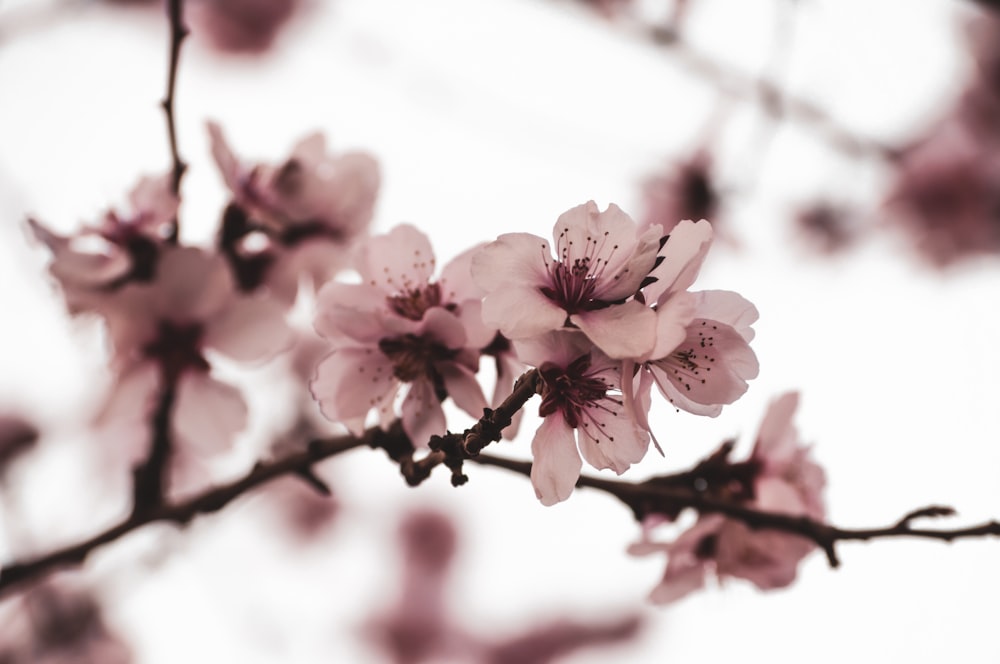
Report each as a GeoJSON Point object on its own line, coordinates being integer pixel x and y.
{"type": "Point", "coordinates": [149, 479]}
{"type": "Point", "coordinates": [659, 496]}
{"type": "Point", "coordinates": [453, 449]}
{"type": "Point", "coordinates": [181, 513]}
{"type": "Point", "coordinates": [178, 31]}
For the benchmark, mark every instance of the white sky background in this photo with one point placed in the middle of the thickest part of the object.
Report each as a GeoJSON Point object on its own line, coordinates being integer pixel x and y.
{"type": "Point", "coordinates": [496, 116]}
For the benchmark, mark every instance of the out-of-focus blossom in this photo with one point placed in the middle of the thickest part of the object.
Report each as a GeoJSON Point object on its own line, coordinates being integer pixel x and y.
{"type": "Point", "coordinates": [581, 392]}
{"type": "Point", "coordinates": [685, 191]}
{"type": "Point", "coordinates": [297, 220]}
{"type": "Point", "coordinates": [51, 624]}
{"type": "Point", "coordinates": [779, 477]}
{"type": "Point", "coordinates": [702, 357]}
{"type": "Point", "coordinates": [119, 250]}
{"type": "Point", "coordinates": [161, 331]}
{"type": "Point", "coordinates": [601, 262]}
{"type": "Point", "coordinates": [947, 195]}
{"type": "Point", "coordinates": [828, 228]}
{"type": "Point", "coordinates": [241, 26]}
{"type": "Point", "coordinates": [979, 106]}
{"type": "Point", "coordinates": [419, 627]}
{"type": "Point", "coordinates": [399, 326]}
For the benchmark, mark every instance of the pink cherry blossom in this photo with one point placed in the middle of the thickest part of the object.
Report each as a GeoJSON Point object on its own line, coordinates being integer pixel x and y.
{"type": "Point", "coordinates": [242, 26]}
{"type": "Point", "coordinates": [399, 326]}
{"type": "Point", "coordinates": [161, 332]}
{"type": "Point", "coordinates": [583, 411]}
{"type": "Point", "coordinates": [305, 215]}
{"type": "Point", "coordinates": [119, 249]}
{"type": "Point", "coordinates": [685, 191]}
{"type": "Point", "coordinates": [601, 262]}
{"type": "Point", "coordinates": [784, 480]}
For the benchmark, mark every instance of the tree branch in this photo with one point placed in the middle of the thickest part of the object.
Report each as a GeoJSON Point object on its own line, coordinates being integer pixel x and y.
{"type": "Point", "coordinates": [178, 31]}
{"type": "Point", "coordinates": [660, 495]}
{"type": "Point", "coordinates": [149, 479]}
{"type": "Point", "coordinates": [182, 513]}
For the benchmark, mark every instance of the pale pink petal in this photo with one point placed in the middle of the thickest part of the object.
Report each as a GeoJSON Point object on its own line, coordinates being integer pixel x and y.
{"type": "Point", "coordinates": [131, 398]}
{"type": "Point", "coordinates": [444, 327]}
{"type": "Point", "coordinates": [767, 558]}
{"type": "Point", "coordinates": [477, 333]}
{"type": "Point", "coordinates": [556, 465]}
{"type": "Point", "coordinates": [672, 319]}
{"type": "Point", "coordinates": [729, 308]}
{"type": "Point", "coordinates": [708, 370]}
{"type": "Point", "coordinates": [350, 382]}
{"type": "Point", "coordinates": [521, 312]}
{"type": "Point", "coordinates": [560, 347]}
{"type": "Point", "coordinates": [626, 278]}
{"type": "Point", "coordinates": [191, 285]}
{"type": "Point", "coordinates": [513, 259]}
{"type": "Point", "coordinates": [456, 280]}
{"type": "Point", "coordinates": [398, 261]}
{"type": "Point", "coordinates": [777, 438]}
{"type": "Point", "coordinates": [462, 388]}
{"type": "Point", "coordinates": [683, 255]}
{"type": "Point", "coordinates": [351, 311]}
{"type": "Point", "coordinates": [422, 413]}
{"type": "Point", "coordinates": [636, 398]}
{"type": "Point", "coordinates": [249, 330]}
{"type": "Point", "coordinates": [773, 494]}
{"type": "Point", "coordinates": [154, 202]}
{"type": "Point", "coordinates": [611, 439]}
{"type": "Point", "coordinates": [621, 330]}
{"type": "Point", "coordinates": [208, 414]}
{"type": "Point", "coordinates": [229, 165]}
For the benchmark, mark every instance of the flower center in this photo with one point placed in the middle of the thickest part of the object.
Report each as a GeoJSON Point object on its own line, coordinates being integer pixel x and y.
{"type": "Point", "coordinates": [575, 275]}
{"type": "Point", "coordinates": [579, 394]}
{"type": "Point", "coordinates": [177, 347]}
{"type": "Point", "coordinates": [414, 356]}
{"type": "Point", "coordinates": [414, 303]}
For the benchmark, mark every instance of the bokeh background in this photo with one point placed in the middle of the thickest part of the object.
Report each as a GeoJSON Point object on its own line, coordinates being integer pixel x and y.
{"type": "Point", "coordinates": [492, 117]}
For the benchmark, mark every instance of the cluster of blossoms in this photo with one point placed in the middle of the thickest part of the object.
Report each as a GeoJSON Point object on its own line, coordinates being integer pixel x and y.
{"type": "Point", "coordinates": [601, 315]}
{"type": "Point", "coordinates": [778, 477]}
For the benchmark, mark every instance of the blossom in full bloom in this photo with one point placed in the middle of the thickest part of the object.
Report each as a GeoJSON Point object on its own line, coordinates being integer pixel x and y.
{"type": "Point", "coordinates": [122, 248]}
{"type": "Point", "coordinates": [400, 326]}
{"type": "Point", "coordinates": [161, 332]}
{"type": "Point", "coordinates": [601, 262]}
{"type": "Point", "coordinates": [702, 358]}
{"type": "Point", "coordinates": [300, 219]}
{"type": "Point", "coordinates": [779, 477]}
{"type": "Point", "coordinates": [583, 413]}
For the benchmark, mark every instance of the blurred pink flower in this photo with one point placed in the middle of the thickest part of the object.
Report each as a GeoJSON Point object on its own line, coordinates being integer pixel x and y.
{"type": "Point", "coordinates": [784, 479]}
{"type": "Point", "coordinates": [297, 220]}
{"type": "Point", "coordinates": [242, 26]}
{"type": "Point", "coordinates": [401, 327]}
{"type": "Point", "coordinates": [161, 331]}
{"type": "Point", "coordinates": [580, 391]}
{"type": "Point", "coordinates": [684, 191]}
{"type": "Point", "coordinates": [120, 249]}
{"type": "Point", "coordinates": [601, 263]}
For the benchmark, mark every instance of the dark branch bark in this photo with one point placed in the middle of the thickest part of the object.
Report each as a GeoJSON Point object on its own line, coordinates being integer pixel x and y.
{"type": "Point", "coordinates": [178, 31]}
{"type": "Point", "coordinates": [149, 479]}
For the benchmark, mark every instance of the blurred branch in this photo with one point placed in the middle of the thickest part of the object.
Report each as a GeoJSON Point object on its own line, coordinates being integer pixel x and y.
{"type": "Point", "coordinates": [663, 495]}
{"type": "Point", "coordinates": [182, 513]}
{"type": "Point", "coordinates": [178, 31]}
{"type": "Point", "coordinates": [150, 477]}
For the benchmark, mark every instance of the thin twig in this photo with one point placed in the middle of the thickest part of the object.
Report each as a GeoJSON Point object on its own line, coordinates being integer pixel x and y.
{"type": "Point", "coordinates": [178, 31]}
{"type": "Point", "coordinates": [149, 478]}
{"type": "Point", "coordinates": [649, 497]}
{"type": "Point", "coordinates": [183, 512]}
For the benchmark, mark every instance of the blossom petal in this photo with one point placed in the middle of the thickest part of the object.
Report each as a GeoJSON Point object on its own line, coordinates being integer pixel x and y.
{"type": "Point", "coordinates": [350, 382]}
{"type": "Point", "coordinates": [729, 308]}
{"type": "Point", "coordinates": [521, 312]}
{"type": "Point", "coordinates": [191, 285]}
{"type": "Point", "coordinates": [560, 347]}
{"type": "Point", "coordinates": [208, 413]}
{"type": "Point", "coordinates": [422, 413]}
{"type": "Point", "coordinates": [463, 388]}
{"type": "Point", "coordinates": [621, 330]}
{"type": "Point", "coordinates": [350, 311]}
{"type": "Point", "coordinates": [249, 330]}
{"type": "Point", "coordinates": [456, 280]}
{"type": "Point", "coordinates": [672, 320]}
{"type": "Point", "coordinates": [398, 261]}
{"type": "Point", "coordinates": [556, 466]}
{"type": "Point", "coordinates": [513, 259]}
{"type": "Point", "coordinates": [611, 439]}
{"type": "Point", "coordinates": [682, 255]}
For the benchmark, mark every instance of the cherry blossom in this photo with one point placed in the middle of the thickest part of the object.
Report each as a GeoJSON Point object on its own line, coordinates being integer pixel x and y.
{"type": "Point", "coordinates": [401, 327]}
{"type": "Point", "coordinates": [161, 333]}
{"type": "Point", "coordinates": [601, 262]}
{"type": "Point", "coordinates": [119, 249]}
{"type": "Point", "coordinates": [702, 358]}
{"type": "Point", "coordinates": [580, 391]}
{"type": "Point", "coordinates": [299, 219]}
{"type": "Point", "coordinates": [686, 191]}
{"type": "Point", "coordinates": [779, 477]}
{"type": "Point", "coordinates": [242, 26]}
